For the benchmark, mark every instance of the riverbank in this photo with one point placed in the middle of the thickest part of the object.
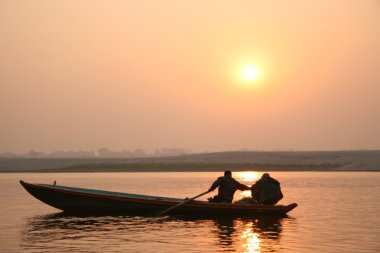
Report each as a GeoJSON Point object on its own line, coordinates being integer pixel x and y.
{"type": "Point", "coordinates": [239, 160]}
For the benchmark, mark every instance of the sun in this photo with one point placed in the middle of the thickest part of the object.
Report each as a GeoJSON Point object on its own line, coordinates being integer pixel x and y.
{"type": "Point", "coordinates": [250, 73]}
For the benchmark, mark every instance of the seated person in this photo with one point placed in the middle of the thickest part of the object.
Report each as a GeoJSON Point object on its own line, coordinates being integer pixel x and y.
{"type": "Point", "coordinates": [266, 190]}
{"type": "Point", "coordinates": [227, 187]}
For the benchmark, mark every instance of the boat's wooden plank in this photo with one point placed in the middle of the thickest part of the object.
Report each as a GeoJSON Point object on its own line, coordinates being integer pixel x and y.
{"type": "Point", "coordinates": [111, 193]}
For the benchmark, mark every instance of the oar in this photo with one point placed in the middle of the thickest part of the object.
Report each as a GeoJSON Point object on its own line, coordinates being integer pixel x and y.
{"type": "Point", "coordinates": [182, 203]}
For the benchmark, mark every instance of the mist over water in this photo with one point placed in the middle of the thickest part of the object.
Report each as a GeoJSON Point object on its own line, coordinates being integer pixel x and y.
{"type": "Point", "coordinates": [337, 212]}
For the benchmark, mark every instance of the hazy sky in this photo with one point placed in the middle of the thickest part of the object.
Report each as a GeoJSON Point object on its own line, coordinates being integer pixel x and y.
{"type": "Point", "coordinates": [80, 75]}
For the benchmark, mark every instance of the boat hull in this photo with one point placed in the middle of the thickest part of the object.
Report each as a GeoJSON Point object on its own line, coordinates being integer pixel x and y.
{"type": "Point", "coordinates": [77, 200]}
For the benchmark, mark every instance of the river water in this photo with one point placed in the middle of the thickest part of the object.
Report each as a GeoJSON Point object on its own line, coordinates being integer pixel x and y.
{"type": "Point", "coordinates": [337, 212]}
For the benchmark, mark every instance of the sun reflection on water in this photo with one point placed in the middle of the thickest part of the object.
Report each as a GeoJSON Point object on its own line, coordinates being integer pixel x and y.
{"type": "Point", "coordinates": [248, 176]}
{"type": "Point", "coordinates": [245, 194]}
{"type": "Point", "coordinates": [252, 241]}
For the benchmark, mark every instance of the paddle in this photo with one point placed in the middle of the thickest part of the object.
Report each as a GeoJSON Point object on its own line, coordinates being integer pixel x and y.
{"type": "Point", "coordinates": [182, 203]}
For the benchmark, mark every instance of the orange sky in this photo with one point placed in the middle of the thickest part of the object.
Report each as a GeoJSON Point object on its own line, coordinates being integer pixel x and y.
{"type": "Point", "coordinates": [80, 75]}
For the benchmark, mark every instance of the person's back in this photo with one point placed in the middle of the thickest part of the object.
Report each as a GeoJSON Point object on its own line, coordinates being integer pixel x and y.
{"type": "Point", "coordinates": [267, 190]}
{"type": "Point", "coordinates": [227, 187]}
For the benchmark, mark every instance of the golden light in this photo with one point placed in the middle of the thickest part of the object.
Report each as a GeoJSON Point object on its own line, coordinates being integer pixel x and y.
{"type": "Point", "coordinates": [250, 73]}
{"type": "Point", "coordinates": [246, 194]}
{"type": "Point", "coordinates": [248, 176]}
{"type": "Point", "coordinates": [252, 239]}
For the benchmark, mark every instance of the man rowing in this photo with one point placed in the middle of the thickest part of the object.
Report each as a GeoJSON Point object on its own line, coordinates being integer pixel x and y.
{"type": "Point", "coordinates": [227, 187]}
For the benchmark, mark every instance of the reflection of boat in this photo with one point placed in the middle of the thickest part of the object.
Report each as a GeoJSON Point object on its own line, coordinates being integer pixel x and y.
{"type": "Point", "coordinates": [119, 233]}
{"type": "Point", "coordinates": [81, 200]}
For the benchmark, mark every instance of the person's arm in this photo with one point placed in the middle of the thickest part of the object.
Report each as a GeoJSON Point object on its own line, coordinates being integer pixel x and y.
{"type": "Point", "coordinates": [215, 185]}
{"type": "Point", "coordinates": [241, 187]}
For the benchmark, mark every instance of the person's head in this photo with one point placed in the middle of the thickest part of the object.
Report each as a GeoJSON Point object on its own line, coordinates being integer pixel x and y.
{"type": "Point", "coordinates": [265, 175]}
{"type": "Point", "coordinates": [227, 173]}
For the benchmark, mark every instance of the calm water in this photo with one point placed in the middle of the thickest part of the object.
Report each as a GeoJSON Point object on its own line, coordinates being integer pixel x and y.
{"type": "Point", "coordinates": [337, 212]}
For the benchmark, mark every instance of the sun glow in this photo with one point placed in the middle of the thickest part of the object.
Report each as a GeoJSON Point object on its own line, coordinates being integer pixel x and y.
{"type": "Point", "coordinates": [250, 73]}
{"type": "Point", "coordinates": [248, 176]}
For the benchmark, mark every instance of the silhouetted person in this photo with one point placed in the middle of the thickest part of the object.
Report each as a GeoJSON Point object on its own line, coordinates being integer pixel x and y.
{"type": "Point", "coordinates": [227, 187]}
{"type": "Point", "coordinates": [266, 190]}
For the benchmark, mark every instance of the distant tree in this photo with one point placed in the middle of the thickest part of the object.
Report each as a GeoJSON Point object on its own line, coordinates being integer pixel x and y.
{"type": "Point", "coordinates": [34, 154]}
{"type": "Point", "coordinates": [107, 153]}
{"type": "Point", "coordinates": [171, 151]}
{"type": "Point", "coordinates": [72, 154]}
{"type": "Point", "coordinates": [139, 153]}
{"type": "Point", "coordinates": [8, 155]}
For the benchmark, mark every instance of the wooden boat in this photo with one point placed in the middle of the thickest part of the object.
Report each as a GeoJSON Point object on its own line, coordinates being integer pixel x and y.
{"type": "Point", "coordinates": [80, 200]}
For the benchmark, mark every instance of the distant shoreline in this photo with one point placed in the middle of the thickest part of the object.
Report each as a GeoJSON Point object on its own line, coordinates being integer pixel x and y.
{"type": "Point", "coordinates": [207, 162]}
{"type": "Point", "coordinates": [193, 167]}
{"type": "Point", "coordinates": [182, 171]}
